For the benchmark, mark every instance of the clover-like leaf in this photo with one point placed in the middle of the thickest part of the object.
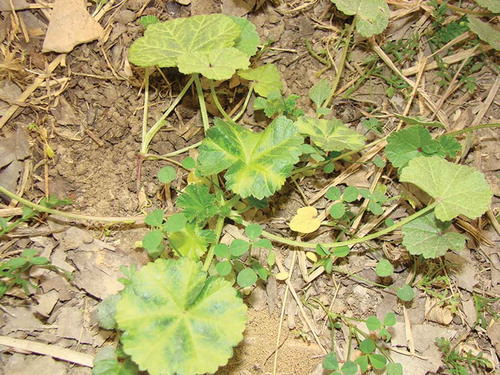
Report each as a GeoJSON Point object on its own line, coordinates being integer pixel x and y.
{"type": "Point", "coordinates": [176, 321]}
{"type": "Point", "coordinates": [200, 44]}
{"type": "Point", "coordinates": [372, 16]}
{"type": "Point", "coordinates": [330, 135]}
{"type": "Point", "coordinates": [458, 189]}
{"type": "Point", "coordinates": [485, 32]}
{"type": "Point", "coordinates": [428, 236]}
{"type": "Point", "coordinates": [197, 202]}
{"type": "Point", "coordinates": [267, 79]}
{"type": "Point", "coordinates": [257, 163]}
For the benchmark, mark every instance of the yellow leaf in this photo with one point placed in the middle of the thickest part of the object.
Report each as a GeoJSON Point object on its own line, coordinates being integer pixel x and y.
{"type": "Point", "coordinates": [281, 276]}
{"type": "Point", "coordinates": [305, 221]}
{"type": "Point", "coordinates": [311, 256]}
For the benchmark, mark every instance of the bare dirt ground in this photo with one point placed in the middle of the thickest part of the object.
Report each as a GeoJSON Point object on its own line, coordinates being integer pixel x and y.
{"type": "Point", "coordinates": [86, 106]}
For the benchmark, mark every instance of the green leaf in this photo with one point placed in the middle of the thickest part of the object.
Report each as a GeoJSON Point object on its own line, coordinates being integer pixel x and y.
{"type": "Point", "coordinates": [175, 223]}
{"type": "Point", "coordinates": [407, 144]}
{"type": "Point", "coordinates": [394, 368]}
{"type": "Point", "coordinates": [155, 218]}
{"type": "Point", "coordinates": [276, 104]}
{"type": "Point", "coordinates": [167, 174]}
{"type": "Point", "coordinates": [341, 251]}
{"type": "Point", "coordinates": [194, 322]}
{"type": "Point", "coordinates": [145, 21]}
{"type": "Point", "coordinates": [257, 163]}
{"type": "Point", "coordinates": [221, 250]}
{"type": "Point", "coordinates": [405, 293]}
{"type": "Point", "coordinates": [330, 135]}
{"type": "Point", "coordinates": [367, 346]}
{"type": "Point", "coordinates": [188, 163]}
{"type": "Point", "coordinates": [106, 311]}
{"type": "Point", "coordinates": [238, 247]}
{"type": "Point", "coordinates": [224, 268]}
{"type": "Point", "coordinates": [320, 92]}
{"type": "Point", "coordinates": [372, 323]}
{"type": "Point", "coordinates": [249, 40]}
{"type": "Point", "coordinates": [485, 32]}
{"type": "Point", "coordinates": [267, 79]}
{"type": "Point", "coordinates": [378, 361]}
{"type": "Point", "coordinates": [417, 120]}
{"type": "Point", "coordinates": [197, 202]}
{"type": "Point", "coordinates": [449, 146]}
{"type": "Point", "coordinates": [330, 362]}
{"type": "Point", "coordinates": [384, 268]}
{"type": "Point", "coordinates": [362, 362]}
{"type": "Point", "coordinates": [375, 208]}
{"type": "Point", "coordinates": [337, 210]}
{"type": "Point", "coordinates": [351, 193]}
{"type": "Point", "coordinates": [264, 243]}
{"type": "Point", "coordinates": [492, 5]}
{"type": "Point", "coordinates": [246, 277]}
{"type": "Point", "coordinates": [39, 261]}
{"type": "Point", "coordinates": [28, 253]}
{"type": "Point", "coordinates": [384, 334]}
{"type": "Point", "coordinates": [372, 16]}
{"type": "Point", "coordinates": [217, 64]}
{"type": "Point", "coordinates": [106, 363]}
{"type": "Point", "coordinates": [153, 242]}
{"type": "Point", "coordinates": [253, 231]}
{"type": "Point", "coordinates": [349, 368]}
{"type": "Point", "coordinates": [164, 43]}
{"type": "Point", "coordinates": [333, 193]}
{"type": "Point", "coordinates": [390, 319]}
{"type": "Point", "coordinates": [191, 241]}
{"type": "Point", "coordinates": [458, 189]}
{"type": "Point", "coordinates": [427, 236]}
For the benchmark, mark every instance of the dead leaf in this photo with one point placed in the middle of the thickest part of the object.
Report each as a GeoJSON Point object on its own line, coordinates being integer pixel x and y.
{"type": "Point", "coordinates": [494, 335]}
{"type": "Point", "coordinates": [5, 5]}
{"type": "Point", "coordinates": [437, 313]}
{"type": "Point", "coordinates": [13, 150]}
{"type": "Point", "coordinates": [305, 221]}
{"type": "Point", "coordinates": [69, 26]}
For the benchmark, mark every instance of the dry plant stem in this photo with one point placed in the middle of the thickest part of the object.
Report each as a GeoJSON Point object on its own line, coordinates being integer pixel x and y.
{"type": "Point", "coordinates": [201, 99]}
{"type": "Point", "coordinates": [69, 215]}
{"type": "Point", "coordinates": [312, 245]}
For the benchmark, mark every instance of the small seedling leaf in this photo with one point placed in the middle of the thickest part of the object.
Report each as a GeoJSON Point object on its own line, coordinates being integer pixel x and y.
{"type": "Point", "coordinates": [330, 135]}
{"type": "Point", "coordinates": [188, 163]}
{"type": "Point", "coordinates": [320, 92]}
{"type": "Point", "coordinates": [405, 293]}
{"type": "Point", "coordinates": [176, 222]}
{"type": "Point", "coordinates": [155, 218]}
{"type": "Point", "coordinates": [394, 368]}
{"type": "Point", "coordinates": [197, 203]}
{"type": "Point", "coordinates": [341, 251]}
{"type": "Point", "coordinates": [224, 268]}
{"type": "Point", "coordinates": [378, 361]}
{"type": "Point", "coordinates": [106, 311]}
{"type": "Point", "coordinates": [375, 208]}
{"type": "Point", "coordinates": [249, 40]}
{"type": "Point", "coordinates": [305, 221]}
{"type": "Point", "coordinates": [384, 268]}
{"type": "Point", "coordinates": [145, 21]}
{"type": "Point", "coordinates": [246, 277]}
{"type": "Point", "coordinates": [458, 189]}
{"type": "Point", "coordinates": [367, 346]}
{"type": "Point", "coordinates": [390, 319]}
{"type": "Point", "coordinates": [264, 243]}
{"type": "Point", "coordinates": [349, 368]}
{"type": "Point", "coordinates": [337, 210]}
{"type": "Point", "coordinates": [238, 247]}
{"type": "Point", "coordinates": [106, 363]}
{"type": "Point", "coordinates": [267, 79]}
{"type": "Point", "coordinates": [253, 231]}
{"type": "Point", "coordinates": [330, 362]}
{"type": "Point", "coordinates": [167, 174]}
{"type": "Point", "coordinates": [372, 16]}
{"type": "Point", "coordinates": [257, 163]}
{"type": "Point", "coordinates": [372, 323]}
{"type": "Point", "coordinates": [282, 275]}
{"type": "Point", "coordinates": [221, 250]}
{"type": "Point", "coordinates": [362, 362]}
{"type": "Point", "coordinates": [350, 194]}
{"type": "Point", "coordinates": [485, 32]}
{"type": "Point", "coordinates": [196, 321]}
{"type": "Point", "coordinates": [152, 241]}
{"type": "Point", "coordinates": [333, 193]}
{"type": "Point", "coordinates": [428, 236]}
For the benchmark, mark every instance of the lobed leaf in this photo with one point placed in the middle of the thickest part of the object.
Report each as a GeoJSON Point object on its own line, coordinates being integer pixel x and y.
{"type": "Point", "coordinates": [248, 40]}
{"type": "Point", "coordinates": [197, 202]}
{"type": "Point", "coordinates": [176, 321]}
{"type": "Point", "coordinates": [485, 32]}
{"type": "Point", "coordinates": [458, 189]}
{"type": "Point", "coordinates": [372, 16]}
{"type": "Point", "coordinates": [428, 237]}
{"type": "Point", "coordinates": [267, 79]}
{"type": "Point", "coordinates": [492, 5]}
{"type": "Point", "coordinates": [257, 163]}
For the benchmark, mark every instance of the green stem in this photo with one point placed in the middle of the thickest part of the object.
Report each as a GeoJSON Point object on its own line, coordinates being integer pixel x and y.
{"type": "Point", "coordinates": [159, 124]}
{"type": "Point", "coordinates": [201, 99]}
{"type": "Point", "coordinates": [473, 128]}
{"type": "Point", "coordinates": [182, 150]}
{"type": "Point", "coordinates": [354, 241]}
{"type": "Point", "coordinates": [245, 104]}
{"type": "Point", "coordinates": [211, 252]}
{"type": "Point", "coordinates": [340, 70]}
{"type": "Point", "coordinates": [69, 215]}
{"type": "Point", "coordinates": [217, 103]}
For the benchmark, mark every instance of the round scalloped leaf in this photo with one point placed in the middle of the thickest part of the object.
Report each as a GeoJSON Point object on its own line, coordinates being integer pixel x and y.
{"type": "Point", "coordinates": [372, 16]}
{"type": "Point", "coordinates": [427, 236]}
{"type": "Point", "coordinates": [458, 189]}
{"type": "Point", "coordinates": [176, 321]}
{"type": "Point", "coordinates": [163, 43]}
{"type": "Point", "coordinates": [249, 40]}
{"type": "Point", "coordinates": [267, 79]}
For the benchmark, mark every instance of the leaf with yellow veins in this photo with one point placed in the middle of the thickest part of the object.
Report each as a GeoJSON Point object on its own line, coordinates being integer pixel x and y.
{"type": "Point", "coordinates": [306, 220]}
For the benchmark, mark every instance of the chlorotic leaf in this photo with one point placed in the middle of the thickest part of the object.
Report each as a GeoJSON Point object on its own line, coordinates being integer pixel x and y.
{"type": "Point", "coordinates": [320, 92]}
{"type": "Point", "coordinates": [193, 321]}
{"type": "Point", "coordinates": [257, 163]}
{"type": "Point", "coordinates": [191, 241]}
{"type": "Point", "coordinates": [330, 135]}
{"type": "Point", "coordinates": [216, 64]}
{"type": "Point", "coordinates": [372, 16]}
{"type": "Point", "coordinates": [458, 189]}
{"type": "Point", "coordinates": [267, 79]}
{"type": "Point", "coordinates": [427, 236]}
{"type": "Point", "coordinates": [404, 145]}
{"type": "Point", "coordinates": [492, 5]}
{"type": "Point", "coordinates": [106, 363]}
{"type": "Point", "coordinates": [485, 32]}
{"type": "Point", "coordinates": [249, 40]}
{"type": "Point", "coordinates": [163, 43]}
{"type": "Point", "coordinates": [197, 202]}
{"type": "Point", "coordinates": [305, 221]}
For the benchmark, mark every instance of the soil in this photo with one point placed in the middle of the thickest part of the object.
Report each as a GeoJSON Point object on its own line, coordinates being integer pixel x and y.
{"type": "Point", "coordinates": [89, 111]}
